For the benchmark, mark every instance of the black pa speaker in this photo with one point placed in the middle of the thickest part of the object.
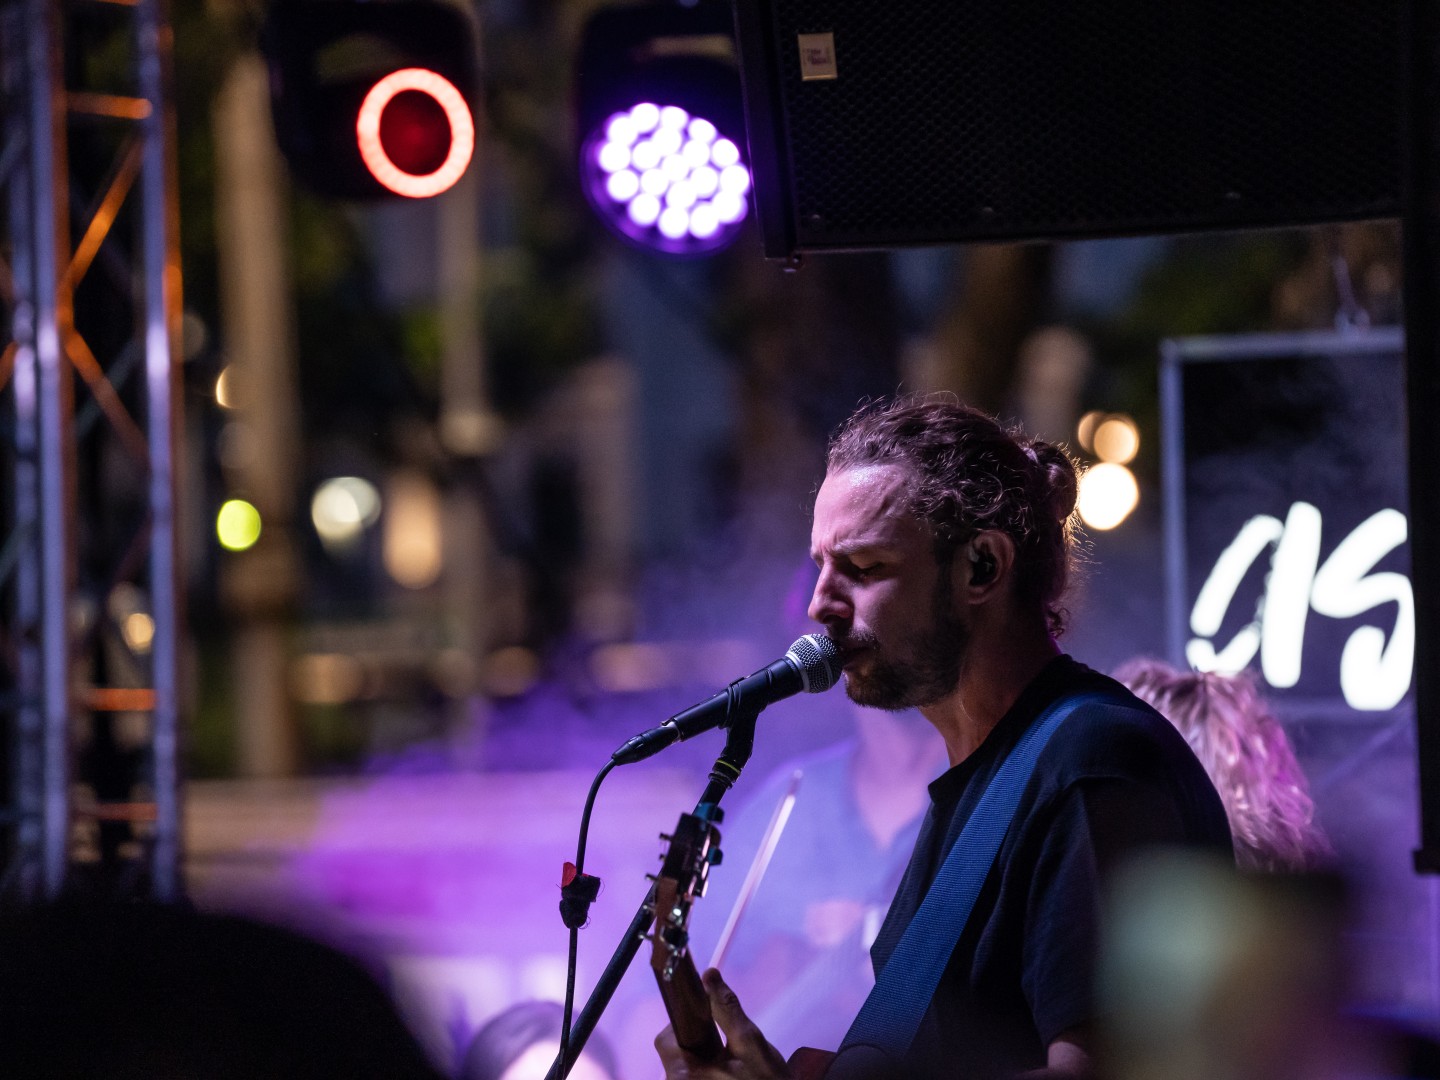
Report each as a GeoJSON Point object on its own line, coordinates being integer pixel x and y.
{"type": "Point", "coordinates": [940, 121]}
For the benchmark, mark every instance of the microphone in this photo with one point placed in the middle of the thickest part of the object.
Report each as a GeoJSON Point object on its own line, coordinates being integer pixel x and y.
{"type": "Point", "coordinates": [812, 665]}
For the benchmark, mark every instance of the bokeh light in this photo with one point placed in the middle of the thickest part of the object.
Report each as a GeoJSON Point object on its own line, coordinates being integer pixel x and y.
{"type": "Point", "coordinates": [343, 508]}
{"type": "Point", "coordinates": [1085, 429]}
{"type": "Point", "coordinates": [412, 547]}
{"type": "Point", "coordinates": [237, 525]}
{"type": "Point", "coordinates": [327, 679]}
{"type": "Point", "coordinates": [1116, 439]}
{"type": "Point", "coordinates": [225, 388]}
{"type": "Point", "coordinates": [1108, 494]}
{"type": "Point", "coordinates": [667, 180]}
{"type": "Point", "coordinates": [377, 156]}
{"type": "Point", "coordinates": [138, 630]}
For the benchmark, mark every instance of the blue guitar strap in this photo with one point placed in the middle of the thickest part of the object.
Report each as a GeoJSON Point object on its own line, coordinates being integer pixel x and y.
{"type": "Point", "coordinates": [892, 1013]}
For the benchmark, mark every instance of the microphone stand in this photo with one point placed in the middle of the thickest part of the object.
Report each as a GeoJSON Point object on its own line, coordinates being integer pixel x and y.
{"type": "Point", "coordinates": [739, 743]}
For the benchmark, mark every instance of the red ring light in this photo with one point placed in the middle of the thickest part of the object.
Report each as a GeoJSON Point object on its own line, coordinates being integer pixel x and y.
{"type": "Point", "coordinates": [457, 113]}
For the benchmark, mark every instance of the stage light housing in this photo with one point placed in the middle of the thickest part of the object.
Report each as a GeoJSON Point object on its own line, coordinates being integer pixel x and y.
{"type": "Point", "coordinates": [373, 99]}
{"type": "Point", "coordinates": [662, 135]}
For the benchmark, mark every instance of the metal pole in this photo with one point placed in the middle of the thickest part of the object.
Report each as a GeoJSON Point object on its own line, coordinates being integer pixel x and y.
{"type": "Point", "coordinates": [161, 265]}
{"type": "Point", "coordinates": [55, 411]}
{"type": "Point", "coordinates": [22, 878]}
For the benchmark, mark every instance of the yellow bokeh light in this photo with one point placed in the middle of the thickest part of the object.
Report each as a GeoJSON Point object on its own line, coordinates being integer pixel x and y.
{"type": "Point", "coordinates": [1108, 493]}
{"type": "Point", "coordinates": [138, 630]}
{"type": "Point", "coordinates": [237, 525]}
{"type": "Point", "coordinates": [327, 679]}
{"type": "Point", "coordinates": [225, 389]}
{"type": "Point", "coordinates": [1117, 439]}
{"type": "Point", "coordinates": [411, 543]}
{"type": "Point", "coordinates": [1085, 429]}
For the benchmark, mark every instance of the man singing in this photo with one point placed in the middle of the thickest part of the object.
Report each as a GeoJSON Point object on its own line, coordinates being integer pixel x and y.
{"type": "Point", "coordinates": [944, 543]}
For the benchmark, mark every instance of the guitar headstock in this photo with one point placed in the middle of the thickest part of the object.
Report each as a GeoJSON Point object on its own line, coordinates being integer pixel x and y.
{"type": "Point", "coordinates": [691, 850]}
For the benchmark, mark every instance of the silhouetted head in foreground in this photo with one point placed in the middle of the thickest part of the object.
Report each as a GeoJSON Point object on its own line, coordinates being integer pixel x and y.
{"type": "Point", "coordinates": [143, 991]}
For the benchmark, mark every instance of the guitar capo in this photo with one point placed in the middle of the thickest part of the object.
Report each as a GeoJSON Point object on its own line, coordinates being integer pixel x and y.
{"type": "Point", "coordinates": [577, 892]}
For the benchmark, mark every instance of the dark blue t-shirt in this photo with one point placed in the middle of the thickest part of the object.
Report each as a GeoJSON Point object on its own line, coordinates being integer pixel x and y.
{"type": "Point", "coordinates": [1114, 778]}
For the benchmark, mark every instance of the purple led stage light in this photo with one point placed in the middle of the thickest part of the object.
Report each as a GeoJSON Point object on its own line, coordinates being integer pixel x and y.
{"type": "Point", "coordinates": [667, 180]}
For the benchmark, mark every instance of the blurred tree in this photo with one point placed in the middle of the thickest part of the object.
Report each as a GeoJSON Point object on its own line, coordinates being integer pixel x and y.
{"type": "Point", "coordinates": [540, 308]}
{"type": "Point", "coordinates": [998, 299]}
{"type": "Point", "coordinates": [1236, 283]}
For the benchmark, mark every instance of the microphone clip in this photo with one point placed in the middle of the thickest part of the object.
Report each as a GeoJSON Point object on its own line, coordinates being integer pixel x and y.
{"type": "Point", "coordinates": [577, 892]}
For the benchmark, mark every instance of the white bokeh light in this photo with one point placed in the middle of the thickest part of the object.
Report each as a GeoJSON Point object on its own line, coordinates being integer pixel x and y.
{"type": "Point", "coordinates": [644, 209]}
{"type": "Point", "coordinates": [735, 178]}
{"type": "Point", "coordinates": [623, 186]}
{"type": "Point", "coordinates": [645, 117]}
{"type": "Point", "coordinates": [1108, 493]}
{"type": "Point", "coordinates": [729, 207]}
{"type": "Point", "coordinates": [676, 168]}
{"type": "Point", "coordinates": [613, 157]}
{"type": "Point", "coordinates": [681, 195]}
{"type": "Point", "coordinates": [674, 222]}
{"type": "Point", "coordinates": [695, 153]}
{"type": "Point", "coordinates": [621, 130]}
{"type": "Point", "coordinates": [667, 141]}
{"type": "Point", "coordinates": [343, 507]}
{"type": "Point", "coordinates": [704, 222]}
{"type": "Point", "coordinates": [705, 181]}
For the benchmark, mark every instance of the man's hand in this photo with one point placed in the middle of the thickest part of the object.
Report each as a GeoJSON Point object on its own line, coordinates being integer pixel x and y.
{"type": "Point", "coordinates": [748, 1055]}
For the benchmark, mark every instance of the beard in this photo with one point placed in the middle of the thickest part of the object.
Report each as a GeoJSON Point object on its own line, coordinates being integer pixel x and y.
{"type": "Point", "coordinates": [930, 669]}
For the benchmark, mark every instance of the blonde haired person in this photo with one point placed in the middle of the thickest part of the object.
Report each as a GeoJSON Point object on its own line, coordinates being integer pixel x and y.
{"type": "Point", "coordinates": [1249, 759]}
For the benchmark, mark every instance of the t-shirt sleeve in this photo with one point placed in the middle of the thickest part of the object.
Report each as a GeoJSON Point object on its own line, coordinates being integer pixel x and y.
{"type": "Point", "coordinates": [1097, 825]}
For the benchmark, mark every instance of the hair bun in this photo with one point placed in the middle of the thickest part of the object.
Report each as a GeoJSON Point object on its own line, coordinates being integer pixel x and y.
{"type": "Point", "coordinates": [1058, 482]}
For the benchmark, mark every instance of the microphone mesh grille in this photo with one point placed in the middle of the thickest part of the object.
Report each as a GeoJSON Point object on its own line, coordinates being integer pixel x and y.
{"type": "Point", "coordinates": [819, 660]}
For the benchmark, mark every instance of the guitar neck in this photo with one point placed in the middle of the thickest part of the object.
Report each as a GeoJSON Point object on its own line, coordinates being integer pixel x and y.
{"type": "Point", "coordinates": [688, 1007]}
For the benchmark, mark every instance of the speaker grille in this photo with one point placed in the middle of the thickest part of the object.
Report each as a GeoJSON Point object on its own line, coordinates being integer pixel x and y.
{"type": "Point", "coordinates": [1007, 120]}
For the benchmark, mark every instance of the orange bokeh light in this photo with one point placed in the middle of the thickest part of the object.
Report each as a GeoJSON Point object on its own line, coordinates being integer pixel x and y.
{"type": "Point", "coordinates": [457, 113]}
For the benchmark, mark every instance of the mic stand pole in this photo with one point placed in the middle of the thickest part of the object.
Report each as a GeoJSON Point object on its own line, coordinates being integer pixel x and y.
{"type": "Point", "coordinates": [739, 743]}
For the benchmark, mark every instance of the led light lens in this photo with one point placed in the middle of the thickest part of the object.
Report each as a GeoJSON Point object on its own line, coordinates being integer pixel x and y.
{"type": "Point", "coordinates": [666, 179]}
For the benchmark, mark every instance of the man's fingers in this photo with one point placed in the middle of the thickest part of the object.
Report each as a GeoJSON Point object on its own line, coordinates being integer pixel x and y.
{"type": "Point", "coordinates": [725, 1005]}
{"type": "Point", "coordinates": [742, 1038]}
{"type": "Point", "coordinates": [676, 1062]}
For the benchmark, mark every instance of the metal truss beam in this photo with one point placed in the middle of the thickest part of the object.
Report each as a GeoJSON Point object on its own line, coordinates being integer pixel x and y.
{"type": "Point", "coordinates": [84, 675]}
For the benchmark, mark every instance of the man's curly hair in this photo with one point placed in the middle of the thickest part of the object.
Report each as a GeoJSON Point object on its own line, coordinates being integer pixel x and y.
{"type": "Point", "coordinates": [970, 474]}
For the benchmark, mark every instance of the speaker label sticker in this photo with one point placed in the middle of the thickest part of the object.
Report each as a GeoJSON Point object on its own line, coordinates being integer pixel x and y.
{"type": "Point", "coordinates": [817, 56]}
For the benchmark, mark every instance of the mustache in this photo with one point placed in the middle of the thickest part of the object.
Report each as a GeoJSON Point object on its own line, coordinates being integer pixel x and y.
{"type": "Point", "coordinates": [854, 640]}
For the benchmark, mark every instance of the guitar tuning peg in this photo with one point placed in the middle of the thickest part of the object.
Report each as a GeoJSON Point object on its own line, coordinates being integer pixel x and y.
{"type": "Point", "coordinates": [666, 837]}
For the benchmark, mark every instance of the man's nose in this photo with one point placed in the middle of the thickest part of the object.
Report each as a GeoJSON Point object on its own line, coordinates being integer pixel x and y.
{"type": "Point", "coordinates": [828, 603]}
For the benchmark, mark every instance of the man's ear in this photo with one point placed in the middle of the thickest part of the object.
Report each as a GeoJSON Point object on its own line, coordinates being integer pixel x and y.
{"type": "Point", "coordinates": [987, 559]}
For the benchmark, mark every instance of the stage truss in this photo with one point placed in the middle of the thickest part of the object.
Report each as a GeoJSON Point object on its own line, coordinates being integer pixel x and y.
{"type": "Point", "coordinates": [89, 581]}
